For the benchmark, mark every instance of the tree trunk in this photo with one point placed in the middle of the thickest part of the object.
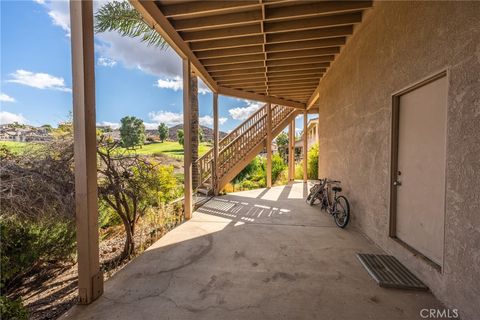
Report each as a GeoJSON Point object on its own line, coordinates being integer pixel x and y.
{"type": "Point", "coordinates": [129, 246]}
{"type": "Point", "coordinates": [194, 136]}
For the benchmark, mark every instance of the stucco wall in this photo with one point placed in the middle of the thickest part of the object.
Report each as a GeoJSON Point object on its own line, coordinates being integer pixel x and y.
{"type": "Point", "coordinates": [398, 44]}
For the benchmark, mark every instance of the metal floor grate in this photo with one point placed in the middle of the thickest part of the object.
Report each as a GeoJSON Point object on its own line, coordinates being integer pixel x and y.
{"type": "Point", "coordinates": [388, 272]}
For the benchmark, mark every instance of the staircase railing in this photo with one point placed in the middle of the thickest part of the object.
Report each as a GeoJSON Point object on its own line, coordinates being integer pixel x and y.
{"type": "Point", "coordinates": [237, 144]}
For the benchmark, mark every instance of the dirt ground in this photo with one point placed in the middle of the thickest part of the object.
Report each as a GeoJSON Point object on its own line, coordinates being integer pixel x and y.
{"type": "Point", "coordinates": [51, 290]}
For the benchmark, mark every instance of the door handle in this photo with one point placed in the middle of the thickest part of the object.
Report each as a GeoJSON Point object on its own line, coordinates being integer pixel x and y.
{"type": "Point", "coordinates": [397, 183]}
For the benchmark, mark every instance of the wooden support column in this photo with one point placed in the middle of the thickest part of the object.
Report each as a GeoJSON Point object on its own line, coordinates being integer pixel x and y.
{"type": "Point", "coordinates": [291, 151]}
{"type": "Point", "coordinates": [269, 145]}
{"type": "Point", "coordinates": [305, 145]}
{"type": "Point", "coordinates": [187, 143]}
{"type": "Point", "coordinates": [216, 140]}
{"type": "Point", "coordinates": [90, 278]}
{"type": "Point", "coordinates": [318, 141]}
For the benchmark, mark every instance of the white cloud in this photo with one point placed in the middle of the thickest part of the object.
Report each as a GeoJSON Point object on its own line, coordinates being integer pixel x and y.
{"type": "Point", "coordinates": [167, 117]}
{"type": "Point", "coordinates": [106, 62]}
{"type": "Point", "coordinates": [39, 80]}
{"type": "Point", "coordinates": [208, 121]}
{"type": "Point", "coordinates": [59, 13]}
{"type": "Point", "coordinates": [174, 118]}
{"type": "Point", "coordinates": [176, 83]}
{"type": "Point", "coordinates": [6, 98]}
{"type": "Point", "coordinates": [132, 53]}
{"type": "Point", "coordinates": [8, 117]}
{"type": "Point", "coordinates": [242, 113]}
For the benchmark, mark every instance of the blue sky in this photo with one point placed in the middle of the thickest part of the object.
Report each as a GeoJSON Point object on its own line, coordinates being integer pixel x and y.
{"type": "Point", "coordinates": [131, 78]}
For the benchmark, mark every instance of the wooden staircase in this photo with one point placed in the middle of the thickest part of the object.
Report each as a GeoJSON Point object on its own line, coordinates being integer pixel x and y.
{"type": "Point", "coordinates": [240, 146]}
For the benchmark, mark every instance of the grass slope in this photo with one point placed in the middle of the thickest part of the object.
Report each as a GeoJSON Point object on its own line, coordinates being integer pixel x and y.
{"type": "Point", "coordinates": [170, 148]}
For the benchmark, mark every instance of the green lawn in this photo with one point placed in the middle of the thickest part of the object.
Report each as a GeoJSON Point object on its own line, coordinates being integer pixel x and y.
{"type": "Point", "coordinates": [171, 148]}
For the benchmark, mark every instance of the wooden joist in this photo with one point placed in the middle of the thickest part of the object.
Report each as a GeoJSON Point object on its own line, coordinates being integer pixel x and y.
{"type": "Point", "coordinates": [257, 46]}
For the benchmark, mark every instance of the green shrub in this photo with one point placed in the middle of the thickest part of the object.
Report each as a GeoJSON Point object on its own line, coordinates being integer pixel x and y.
{"type": "Point", "coordinates": [27, 243]}
{"type": "Point", "coordinates": [107, 217]}
{"type": "Point", "coordinates": [299, 171]}
{"type": "Point", "coordinates": [278, 165]}
{"type": "Point", "coordinates": [12, 309]}
{"type": "Point", "coordinates": [313, 162]}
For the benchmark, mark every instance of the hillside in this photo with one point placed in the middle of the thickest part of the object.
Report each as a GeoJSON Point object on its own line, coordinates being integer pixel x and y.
{"type": "Point", "coordinates": [207, 132]}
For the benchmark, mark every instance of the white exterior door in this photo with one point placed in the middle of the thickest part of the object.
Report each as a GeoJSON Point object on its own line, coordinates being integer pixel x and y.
{"type": "Point", "coordinates": [420, 185]}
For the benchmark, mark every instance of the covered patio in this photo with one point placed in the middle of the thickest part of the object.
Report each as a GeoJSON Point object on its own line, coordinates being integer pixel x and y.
{"type": "Point", "coordinates": [396, 89]}
{"type": "Point", "coordinates": [261, 254]}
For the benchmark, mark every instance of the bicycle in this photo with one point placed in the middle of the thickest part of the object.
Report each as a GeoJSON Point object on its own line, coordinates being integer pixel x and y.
{"type": "Point", "coordinates": [338, 207]}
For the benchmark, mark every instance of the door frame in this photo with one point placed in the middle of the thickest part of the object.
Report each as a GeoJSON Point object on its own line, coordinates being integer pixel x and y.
{"type": "Point", "coordinates": [394, 161]}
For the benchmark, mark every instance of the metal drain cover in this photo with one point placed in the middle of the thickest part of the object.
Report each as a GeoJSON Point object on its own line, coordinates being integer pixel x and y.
{"type": "Point", "coordinates": [388, 272]}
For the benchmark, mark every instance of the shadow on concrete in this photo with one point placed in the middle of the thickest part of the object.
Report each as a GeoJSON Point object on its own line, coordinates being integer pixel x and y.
{"type": "Point", "coordinates": [249, 257]}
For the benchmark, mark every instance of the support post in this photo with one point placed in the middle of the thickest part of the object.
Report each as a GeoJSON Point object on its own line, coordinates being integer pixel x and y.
{"type": "Point", "coordinates": [269, 145]}
{"type": "Point", "coordinates": [291, 151]}
{"type": "Point", "coordinates": [318, 142]}
{"type": "Point", "coordinates": [187, 143]}
{"type": "Point", "coordinates": [305, 145]}
{"type": "Point", "coordinates": [90, 278]}
{"type": "Point", "coordinates": [216, 140]}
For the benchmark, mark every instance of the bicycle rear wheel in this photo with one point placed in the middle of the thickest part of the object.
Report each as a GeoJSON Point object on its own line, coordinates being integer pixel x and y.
{"type": "Point", "coordinates": [312, 198]}
{"type": "Point", "coordinates": [342, 212]}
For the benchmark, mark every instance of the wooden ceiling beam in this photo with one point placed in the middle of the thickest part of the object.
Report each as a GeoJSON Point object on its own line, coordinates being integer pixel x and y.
{"type": "Point", "coordinates": [297, 73]}
{"type": "Point", "coordinates": [227, 43]}
{"type": "Point", "coordinates": [230, 52]}
{"type": "Point", "coordinates": [237, 82]}
{"type": "Point", "coordinates": [235, 66]}
{"type": "Point", "coordinates": [310, 34]}
{"type": "Point", "coordinates": [297, 61]}
{"type": "Point", "coordinates": [218, 21]}
{"type": "Point", "coordinates": [293, 80]}
{"type": "Point", "coordinates": [308, 44]}
{"type": "Point", "coordinates": [313, 23]}
{"type": "Point", "coordinates": [294, 86]}
{"type": "Point", "coordinates": [221, 33]}
{"type": "Point", "coordinates": [240, 77]}
{"type": "Point", "coordinates": [193, 8]}
{"type": "Point", "coordinates": [312, 67]}
{"type": "Point", "coordinates": [293, 91]}
{"type": "Point", "coordinates": [260, 82]}
{"type": "Point", "coordinates": [238, 72]}
{"type": "Point", "coordinates": [229, 60]}
{"type": "Point", "coordinates": [302, 53]}
{"type": "Point", "coordinates": [290, 79]}
{"type": "Point", "coordinates": [313, 8]}
{"type": "Point", "coordinates": [259, 97]}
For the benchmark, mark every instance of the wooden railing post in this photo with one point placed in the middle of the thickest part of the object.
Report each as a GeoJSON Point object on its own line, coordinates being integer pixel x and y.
{"type": "Point", "coordinates": [305, 145]}
{"type": "Point", "coordinates": [187, 143]}
{"type": "Point", "coordinates": [90, 278]}
{"type": "Point", "coordinates": [216, 142]}
{"type": "Point", "coordinates": [269, 145]}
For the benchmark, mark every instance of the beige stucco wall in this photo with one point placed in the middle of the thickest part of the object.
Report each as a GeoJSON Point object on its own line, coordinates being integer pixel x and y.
{"type": "Point", "coordinates": [398, 44]}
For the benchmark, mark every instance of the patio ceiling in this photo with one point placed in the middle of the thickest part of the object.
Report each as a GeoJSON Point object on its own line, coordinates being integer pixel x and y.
{"type": "Point", "coordinates": [272, 51]}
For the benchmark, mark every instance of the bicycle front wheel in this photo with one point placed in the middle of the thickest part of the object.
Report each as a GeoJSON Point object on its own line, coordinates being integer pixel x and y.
{"type": "Point", "coordinates": [342, 212]}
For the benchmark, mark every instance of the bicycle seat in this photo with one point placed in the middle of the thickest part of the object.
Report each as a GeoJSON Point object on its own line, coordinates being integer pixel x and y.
{"type": "Point", "coordinates": [337, 189]}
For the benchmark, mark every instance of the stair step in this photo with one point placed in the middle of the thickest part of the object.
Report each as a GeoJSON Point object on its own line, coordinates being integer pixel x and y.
{"type": "Point", "coordinates": [204, 191]}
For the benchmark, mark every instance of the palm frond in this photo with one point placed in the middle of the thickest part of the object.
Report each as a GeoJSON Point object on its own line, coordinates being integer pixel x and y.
{"type": "Point", "coordinates": [120, 16]}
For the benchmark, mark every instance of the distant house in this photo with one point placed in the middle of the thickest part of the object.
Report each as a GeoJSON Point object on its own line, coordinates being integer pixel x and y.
{"type": "Point", "coordinates": [24, 133]}
{"type": "Point", "coordinates": [312, 136]}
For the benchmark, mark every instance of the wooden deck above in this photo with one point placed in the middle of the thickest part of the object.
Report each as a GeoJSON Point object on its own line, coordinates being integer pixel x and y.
{"type": "Point", "coordinates": [271, 51]}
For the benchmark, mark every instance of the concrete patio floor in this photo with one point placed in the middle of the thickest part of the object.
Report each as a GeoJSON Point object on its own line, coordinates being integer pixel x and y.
{"type": "Point", "coordinates": [261, 254]}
